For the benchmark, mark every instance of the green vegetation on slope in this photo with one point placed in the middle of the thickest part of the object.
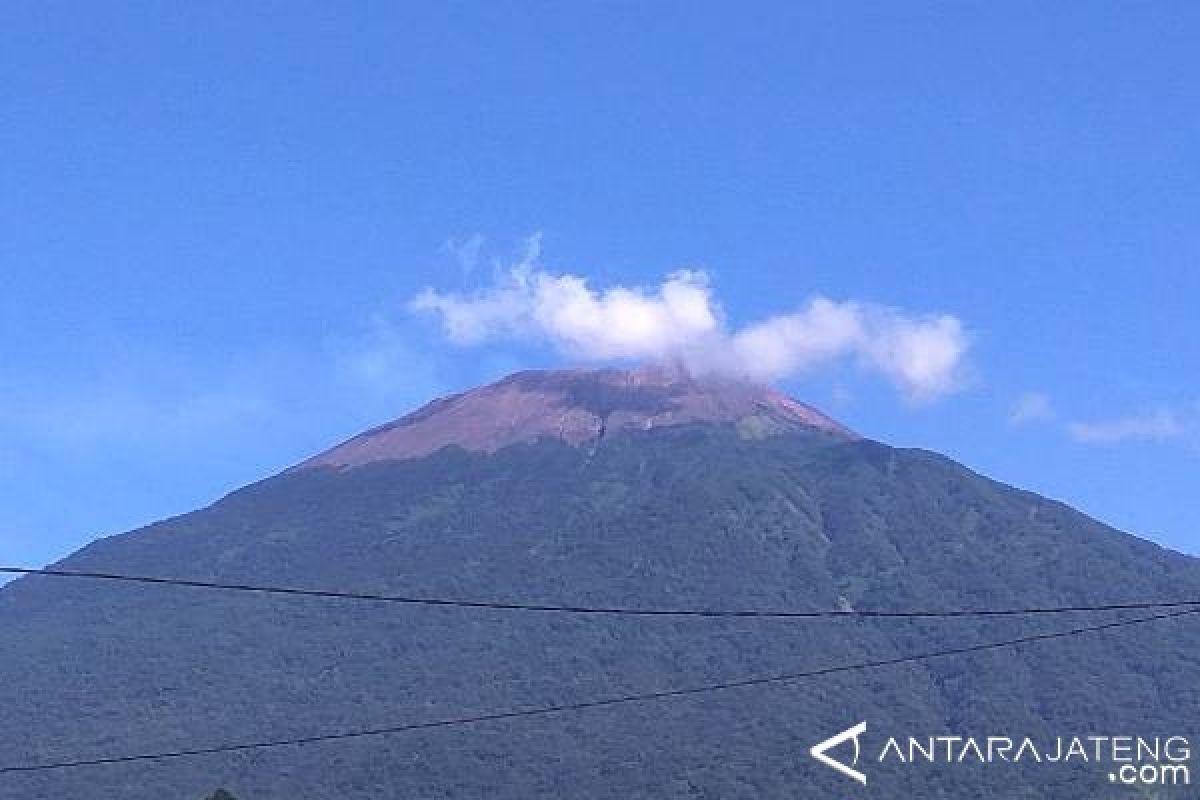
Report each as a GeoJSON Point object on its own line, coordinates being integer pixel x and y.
{"type": "Point", "coordinates": [674, 517]}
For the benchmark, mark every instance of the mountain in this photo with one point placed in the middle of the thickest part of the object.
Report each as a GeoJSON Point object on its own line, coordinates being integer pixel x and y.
{"type": "Point", "coordinates": [648, 488]}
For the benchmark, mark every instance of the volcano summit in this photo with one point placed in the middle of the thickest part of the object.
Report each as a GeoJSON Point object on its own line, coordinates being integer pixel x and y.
{"type": "Point", "coordinates": [579, 407]}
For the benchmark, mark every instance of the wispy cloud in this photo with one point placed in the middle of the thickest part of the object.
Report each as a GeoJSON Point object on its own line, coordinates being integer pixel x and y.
{"type": "Point", "coordinates": [151, 403]}
{"type": "Point", "coordinates": [465, 252]}
{"type": "Point", "coordinates": [109, 417]}
{"type": "Point", "coordinates": [1157, 426]}
{"type": "Point", "coordinates": [1031, 407]}
{"type": "Point", "coordinates": [381, 366]}
{"type": "Point", "coordinates": [681, 319]}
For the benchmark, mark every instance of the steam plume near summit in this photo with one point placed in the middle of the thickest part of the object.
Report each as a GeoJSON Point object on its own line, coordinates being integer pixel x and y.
{"type": "Point", "coordinates": [681, 320]}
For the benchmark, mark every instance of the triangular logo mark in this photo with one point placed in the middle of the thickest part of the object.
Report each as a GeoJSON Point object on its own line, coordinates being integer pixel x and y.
{"type": "Point", "coordinates": [819, 752]}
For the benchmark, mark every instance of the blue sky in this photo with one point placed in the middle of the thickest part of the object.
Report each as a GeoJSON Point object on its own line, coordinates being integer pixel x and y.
{"type": "Point", "coordinates": [213, 220]}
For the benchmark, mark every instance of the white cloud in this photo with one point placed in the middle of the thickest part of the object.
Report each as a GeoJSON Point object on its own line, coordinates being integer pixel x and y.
{"type": "Point", "coordinates": [680, 319]}
{"type": "Point", "coordinates": [922, 355]}
{"type": "Point", "coordinates": [1161, 425]}
{"type": "Point", "coordinates": [1031, 407]}
{"type": "Point", "coordinates": [616, 323]}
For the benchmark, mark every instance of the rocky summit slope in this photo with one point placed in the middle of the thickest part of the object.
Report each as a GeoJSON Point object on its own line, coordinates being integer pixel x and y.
{"type": "Point", "coordinates": [656, 493]}
{"type": "Point", "coordinates": [578, 407]}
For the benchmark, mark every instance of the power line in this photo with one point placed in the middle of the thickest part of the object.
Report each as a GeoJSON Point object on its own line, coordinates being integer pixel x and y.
{"type": "Point", "coordinates": [592, 704]}
{"type": "Point", "coordinates": [580, 609]}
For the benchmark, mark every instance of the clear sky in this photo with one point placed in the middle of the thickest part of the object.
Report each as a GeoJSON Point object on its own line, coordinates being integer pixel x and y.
{"type": "Point", "coordinates": [213, 221]}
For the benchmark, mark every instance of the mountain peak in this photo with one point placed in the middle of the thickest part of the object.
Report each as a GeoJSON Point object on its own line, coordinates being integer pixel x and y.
{"type": "Point", "coordinates": [577, 406]}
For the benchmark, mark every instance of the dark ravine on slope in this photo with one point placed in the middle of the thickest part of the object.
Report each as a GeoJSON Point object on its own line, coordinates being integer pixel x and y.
{"type": "Point", "coordinates": [698, 494]}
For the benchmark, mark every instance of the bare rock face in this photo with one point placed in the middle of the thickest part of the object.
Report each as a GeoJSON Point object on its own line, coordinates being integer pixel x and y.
{"type": "Point", "coordinates": [578, 407]}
